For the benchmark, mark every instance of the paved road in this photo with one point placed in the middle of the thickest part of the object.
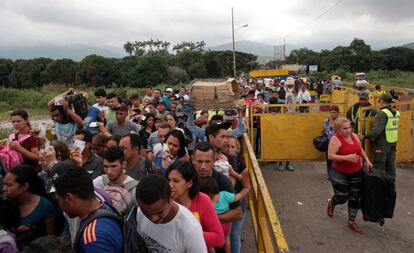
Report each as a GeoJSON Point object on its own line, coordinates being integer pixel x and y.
{"type": "Point", "coordinates": [300, 199]}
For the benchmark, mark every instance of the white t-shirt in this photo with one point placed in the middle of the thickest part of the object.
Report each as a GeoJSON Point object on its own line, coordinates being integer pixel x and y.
{"type": "Point", "coordinates": [303, 96]}
{"type": "Point", "coordinates": [157, 148]}
{"type": "Point", "coordinates": [101, 107]}
{"type": "Point", "coordinates": [183, 234]}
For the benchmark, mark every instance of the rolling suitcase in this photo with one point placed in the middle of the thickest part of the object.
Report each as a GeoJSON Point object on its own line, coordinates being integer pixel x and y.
{"type": "Point", "coordinates": [378, 196]}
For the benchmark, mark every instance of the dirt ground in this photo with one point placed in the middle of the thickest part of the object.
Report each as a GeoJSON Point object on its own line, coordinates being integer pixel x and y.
{"type": "Point", "coordinates": [300, 200]}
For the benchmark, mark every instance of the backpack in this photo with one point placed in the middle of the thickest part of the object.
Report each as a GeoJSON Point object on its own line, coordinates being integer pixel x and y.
{"type": "Point", "coordinates": [133, 242]}
{"type": "Point", "coordinates": [122, 199]}
{"type": "Point", "coordinates": [7, 240]}
{"type": "Point", "coordinates": [11, 158]}
{"type": "Point", "coordinates": [78, 104]}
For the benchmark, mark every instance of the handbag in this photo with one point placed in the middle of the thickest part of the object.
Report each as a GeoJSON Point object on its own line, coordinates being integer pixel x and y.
{"type": "Point", "coordinates": [321, 142]}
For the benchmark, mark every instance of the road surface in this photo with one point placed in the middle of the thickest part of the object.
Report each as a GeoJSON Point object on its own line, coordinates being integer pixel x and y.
{"type": "Point", "coordinates": [300, 200]}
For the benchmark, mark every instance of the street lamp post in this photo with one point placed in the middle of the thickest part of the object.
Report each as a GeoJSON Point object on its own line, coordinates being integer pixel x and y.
{"type": "Point", "coordinates": [234, 47]}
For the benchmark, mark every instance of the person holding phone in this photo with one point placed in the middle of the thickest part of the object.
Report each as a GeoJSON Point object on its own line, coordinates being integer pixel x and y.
{"type": "Point", "coordinates": [173, 149]}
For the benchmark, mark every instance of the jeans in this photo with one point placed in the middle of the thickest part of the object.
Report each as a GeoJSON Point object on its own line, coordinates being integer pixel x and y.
{"type": "Point", "coordinates": [236, 229]}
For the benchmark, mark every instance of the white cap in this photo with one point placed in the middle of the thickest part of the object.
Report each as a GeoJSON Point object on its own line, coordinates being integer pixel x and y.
{"type": "Point", "coordinates": [169, 89]}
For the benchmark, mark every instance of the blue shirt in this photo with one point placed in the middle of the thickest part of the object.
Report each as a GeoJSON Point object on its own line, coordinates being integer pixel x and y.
{"type": "Point", "coordinates": [34, 223]}
{"type": "Point", "coordinates": [65, 132]}
{"type": "Point", "coordinates": [223, 204]}
{"type": "Point", "coordinates": [102, 235]}
{"type": "Point", "coordinates": [329, 130]}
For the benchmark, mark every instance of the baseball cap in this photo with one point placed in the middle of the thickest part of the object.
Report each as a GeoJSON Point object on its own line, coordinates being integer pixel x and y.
{"type": "Point", "coordinates": [159, 117]}
{"type": "Point", "coordinates": [363, 95]}
{"type": "Point", "coordinates": [160, 102]}
{"type": "Point", "coordinates": [214, 127]}
{"type": "Point", "coordinates": [386, 97]}
{"type": "Point", "coordinates": [169, 90]}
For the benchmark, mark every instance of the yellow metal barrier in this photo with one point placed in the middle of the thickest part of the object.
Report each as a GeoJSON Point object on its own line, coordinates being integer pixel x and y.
{"type": "Point", "coordinates": [289, 136]}
{"type": "Point", "coordinates": [266, 226]}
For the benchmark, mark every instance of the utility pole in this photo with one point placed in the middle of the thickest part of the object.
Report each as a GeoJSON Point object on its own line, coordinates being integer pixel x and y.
{"type": "Point", "coordinates": [234, 48]}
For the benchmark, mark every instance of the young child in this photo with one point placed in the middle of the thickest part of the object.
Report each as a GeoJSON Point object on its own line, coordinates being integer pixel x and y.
{"type": "Point", "coordinates": [223, 166]}
{"type": "Point", "coordinates": [221, 201]}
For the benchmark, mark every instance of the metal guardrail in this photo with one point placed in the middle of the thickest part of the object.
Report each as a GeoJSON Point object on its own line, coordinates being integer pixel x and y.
{"type": "Point", "coordinates": [266, 225]}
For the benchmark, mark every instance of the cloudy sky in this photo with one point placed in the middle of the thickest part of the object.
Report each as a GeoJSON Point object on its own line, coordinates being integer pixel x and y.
{"type": "Point", "coordinates": [316, 24]}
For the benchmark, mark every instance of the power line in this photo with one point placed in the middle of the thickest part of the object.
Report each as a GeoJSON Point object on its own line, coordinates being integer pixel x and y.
{"type": "Point", "coordinates": [314, 19]}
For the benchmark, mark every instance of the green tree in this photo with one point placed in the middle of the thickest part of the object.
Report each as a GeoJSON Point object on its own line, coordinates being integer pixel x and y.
{"type": "Point", "coordinates": [129, 48]}
{"type": "Point", "coordinates": [97, 70]}
{"type": "Point", "coordinates": [176, 75]}
{"type": "Point", "coordinates": [29, 73]}
{"type": "Point", "coordinates": [303, 56]}
{"type": "Point", "coordinates": [61, 71]}
{"type": "Point", "coordinates": [399, 58]}
{"type": "Point", "coordinates": [360, 58]}
{"type": "Point", "coordinates": [6, 67]}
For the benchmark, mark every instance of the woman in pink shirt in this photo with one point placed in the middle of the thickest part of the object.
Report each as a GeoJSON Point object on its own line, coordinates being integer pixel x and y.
{"type": "Point", "coordinates": [184, 185]}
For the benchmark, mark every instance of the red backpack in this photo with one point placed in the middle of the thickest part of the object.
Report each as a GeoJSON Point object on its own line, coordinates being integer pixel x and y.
{"type": "Point", "coordinates": [11, 158]}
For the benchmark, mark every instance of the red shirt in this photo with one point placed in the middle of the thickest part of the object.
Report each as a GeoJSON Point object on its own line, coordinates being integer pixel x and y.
{"type": "Point", "coordinates": [203, 209]}
{"type": "Point", "coordinates": [28, 144]}
{"type": "Point", "coordinates": [347, 148]}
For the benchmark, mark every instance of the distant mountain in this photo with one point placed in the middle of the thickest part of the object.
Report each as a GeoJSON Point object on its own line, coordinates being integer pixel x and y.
{"type": "Point", "coordinates": [263, 51]}
{"type": "Point", "coordinates": [409, 45]}
{"type": "Point", "coordinates": [75, 52]}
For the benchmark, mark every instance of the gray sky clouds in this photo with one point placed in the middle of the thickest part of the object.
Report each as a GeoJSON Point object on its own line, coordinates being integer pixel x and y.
{"type": "Point", "coordinates": [380, 23]}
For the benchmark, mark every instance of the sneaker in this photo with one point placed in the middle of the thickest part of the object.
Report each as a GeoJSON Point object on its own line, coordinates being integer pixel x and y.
{"type": "Point", "coordinates": [290, 167]}
{"type": "Point", "coordinates": [280, 167]}
{"type": "Point", "coordinates": [352, 225]}
{"type": "Point", "coordinates": [330, 208]}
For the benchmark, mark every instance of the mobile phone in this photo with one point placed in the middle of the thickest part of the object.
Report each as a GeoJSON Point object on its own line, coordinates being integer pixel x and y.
{"type": "Point", "coordinates": [93, 124]}
{"type": "Point", "coordinates": [80, 144]}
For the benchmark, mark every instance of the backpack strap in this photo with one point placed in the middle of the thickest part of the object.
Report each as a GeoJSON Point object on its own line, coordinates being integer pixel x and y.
{"type": "Point", "coordinates": [21, 139]}
{"type": "Point", "coordinates": [130, 185]}
{"type": "Point", "coordinates": [148, 166]}
{"type": "Point", "coordinates": [105, 180]}
{"type": "Point", "coordinates": [98, 213]}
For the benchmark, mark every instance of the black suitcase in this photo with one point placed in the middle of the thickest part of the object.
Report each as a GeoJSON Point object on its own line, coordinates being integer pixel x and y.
{"type": "Point", "coordinates": [378, 196]}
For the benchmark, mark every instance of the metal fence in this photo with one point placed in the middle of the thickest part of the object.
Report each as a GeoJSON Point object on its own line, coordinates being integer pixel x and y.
{"type": "Point", "coordinates": [266, 225]}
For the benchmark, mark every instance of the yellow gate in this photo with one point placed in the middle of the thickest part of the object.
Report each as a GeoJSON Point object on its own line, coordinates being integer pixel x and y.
{"type": "Point", "coordinates": [288, 136]}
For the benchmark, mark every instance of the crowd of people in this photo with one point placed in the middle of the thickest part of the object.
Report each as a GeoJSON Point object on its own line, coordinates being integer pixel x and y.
{"type": "Point", "coordinates": [176, 175]}
{"type": "Point", "coordinates": [180, 176]}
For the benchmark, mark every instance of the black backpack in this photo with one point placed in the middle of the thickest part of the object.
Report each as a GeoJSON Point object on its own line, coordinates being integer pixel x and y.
{"type": "Point", "coordinates": [133, 242]}
{"type": "Point", "coordinates": [78, 104]}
